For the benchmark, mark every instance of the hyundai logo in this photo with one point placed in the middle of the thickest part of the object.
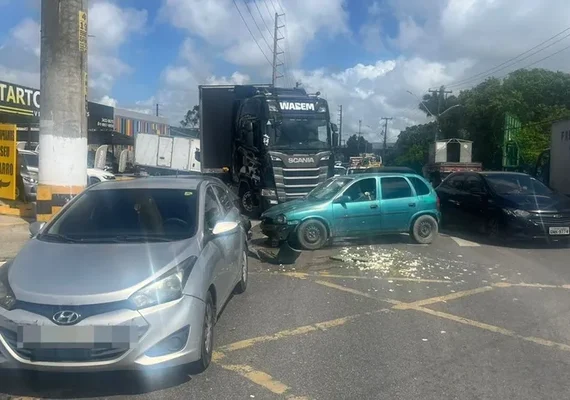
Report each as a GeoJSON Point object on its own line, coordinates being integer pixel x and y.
{"type": "Point", "coordinates": [66, 317]}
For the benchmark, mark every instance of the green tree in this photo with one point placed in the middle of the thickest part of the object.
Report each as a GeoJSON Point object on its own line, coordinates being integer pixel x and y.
{"type": "Point", "coordinates": [356, 145]}
{"type": "Point", "coordinates": [192, 118]}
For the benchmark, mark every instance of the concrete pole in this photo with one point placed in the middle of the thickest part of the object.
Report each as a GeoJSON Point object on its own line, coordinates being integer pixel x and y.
{"type": "Point", "coordinates": [63, 117]}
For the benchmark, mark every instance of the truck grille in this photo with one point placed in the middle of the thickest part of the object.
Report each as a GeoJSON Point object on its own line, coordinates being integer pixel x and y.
{"type": "Point", "coordinates": [293, 183]}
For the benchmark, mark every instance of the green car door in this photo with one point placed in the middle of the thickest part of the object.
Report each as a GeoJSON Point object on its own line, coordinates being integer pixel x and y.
{"type": "Point", "coordinates": [357, 211]}
{"type": "Point", "coordinates": [398, 204]}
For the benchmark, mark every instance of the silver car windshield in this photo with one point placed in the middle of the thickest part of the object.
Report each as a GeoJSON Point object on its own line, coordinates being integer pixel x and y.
{"type": "Point", "coordinates": [127, 215]}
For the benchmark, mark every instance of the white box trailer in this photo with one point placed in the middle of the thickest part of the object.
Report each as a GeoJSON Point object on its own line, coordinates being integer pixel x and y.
{"type": "Point", "coordinates": [167, 152]}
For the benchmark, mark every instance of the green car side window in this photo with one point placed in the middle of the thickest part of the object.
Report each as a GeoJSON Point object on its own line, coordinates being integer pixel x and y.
{"type": "Point", "coordinates": [362, 190]}
{"type": "Point", "coordinates": [395, 188]}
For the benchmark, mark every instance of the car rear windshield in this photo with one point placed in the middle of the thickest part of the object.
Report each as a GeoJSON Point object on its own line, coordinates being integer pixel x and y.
{"type": "Point", "coordinates": [127, 215]}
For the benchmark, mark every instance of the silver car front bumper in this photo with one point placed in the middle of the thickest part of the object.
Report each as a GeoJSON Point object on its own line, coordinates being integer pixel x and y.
{"type": "Point", "coordinates": [150, 326]}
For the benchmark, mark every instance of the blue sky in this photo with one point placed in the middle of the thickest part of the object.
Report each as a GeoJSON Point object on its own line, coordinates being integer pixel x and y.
{"type": "Point", "coordinates": [364, 54]}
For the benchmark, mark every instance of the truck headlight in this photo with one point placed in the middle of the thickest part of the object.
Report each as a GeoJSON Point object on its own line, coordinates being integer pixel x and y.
{"type": "Point", "coordinates": [281, 219]}
{"type": "Point", "coordinates": [268, 192]}
{"type": "Point", "coordinates": [164, 289]}
{"type": "Point", "coordinates": [325, 158]}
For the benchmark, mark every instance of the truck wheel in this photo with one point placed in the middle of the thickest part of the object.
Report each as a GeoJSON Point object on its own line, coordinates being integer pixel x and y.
{"type": "Point", "coordinates": [247, 200]}
{"type": "Point", "coordinates": [424, 230]}
{"type": "Point", "coordinates": [312, 234]}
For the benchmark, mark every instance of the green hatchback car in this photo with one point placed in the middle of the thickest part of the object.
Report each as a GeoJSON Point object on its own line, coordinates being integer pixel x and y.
{"type": "Point", "coordinates": [357, 205]}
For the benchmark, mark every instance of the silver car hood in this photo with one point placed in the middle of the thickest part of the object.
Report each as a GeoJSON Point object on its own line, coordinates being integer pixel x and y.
{"type": "Point", "coordinates": [91, 273]}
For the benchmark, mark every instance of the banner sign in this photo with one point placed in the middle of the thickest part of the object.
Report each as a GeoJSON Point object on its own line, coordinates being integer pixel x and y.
{"type": "Point", "coordinates": [8, 158]}
{"type": "Point", "coordinates": [15, 99]}
{"type": "Point", "coordinates": [21, 100]}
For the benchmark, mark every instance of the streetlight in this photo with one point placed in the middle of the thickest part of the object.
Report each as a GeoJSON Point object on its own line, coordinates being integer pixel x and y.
{"type": "Point", "coordinates": [437, 121]}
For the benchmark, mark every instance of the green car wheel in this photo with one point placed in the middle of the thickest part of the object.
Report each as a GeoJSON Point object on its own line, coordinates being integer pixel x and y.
{"type": "Point", "coordinates": [312, 234]}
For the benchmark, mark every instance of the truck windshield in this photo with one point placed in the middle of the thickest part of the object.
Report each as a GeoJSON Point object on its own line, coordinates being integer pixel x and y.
{"type": "Point", "coordinates": [301, 134]}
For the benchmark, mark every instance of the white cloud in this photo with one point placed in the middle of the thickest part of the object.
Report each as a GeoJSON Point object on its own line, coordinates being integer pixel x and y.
{"type": "Point", "coordinates": [27, 35]}
{"type": "Point", "coordinates": [108, 101]}
{"type": "Point", "coordinates": [109, 28]}
{"type": "Point", "coordinates": [369, 92]}
{"type": "Point", "coordinates": [219, 24]}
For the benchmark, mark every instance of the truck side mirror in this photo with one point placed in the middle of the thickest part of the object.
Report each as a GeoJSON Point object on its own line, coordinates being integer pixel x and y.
{"type": "Point", "coordinates": [334, 127]}
{"type": "Point", "coordinates": [197, 155]}
{"type": "Point", "coordinates": [335, 139]}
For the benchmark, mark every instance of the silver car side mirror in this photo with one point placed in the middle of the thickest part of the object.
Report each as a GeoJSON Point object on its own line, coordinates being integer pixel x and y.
{"type": "Point", "coordinates": [36, 227]}
{"type": "Point", "coordinates": [224, 228]}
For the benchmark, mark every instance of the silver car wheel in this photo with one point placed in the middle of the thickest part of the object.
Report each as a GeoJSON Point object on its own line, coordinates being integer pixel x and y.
{"type": "Point", "coordinates": [244, 267]}
{"type": "Point", "coordinates": [208, 329]}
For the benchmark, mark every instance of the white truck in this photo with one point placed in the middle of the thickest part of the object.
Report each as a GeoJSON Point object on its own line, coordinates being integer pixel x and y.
{"type": "Point", "coordinates": [553, 165]}
{"type": "Point", "coordinates": [165, 155]}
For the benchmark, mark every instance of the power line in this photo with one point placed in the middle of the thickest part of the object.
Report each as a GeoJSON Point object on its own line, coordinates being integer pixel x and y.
{"type": "Point", "coordinates": [256, 24]}
{"type": "Point", "coordinates": [513, 60]}
{"type": "Point", "coordinates": [251, 33]}
{"type": "Point", "coordinates": [542, 59]}
{"type": "Point", "coordinates": [263, 19]}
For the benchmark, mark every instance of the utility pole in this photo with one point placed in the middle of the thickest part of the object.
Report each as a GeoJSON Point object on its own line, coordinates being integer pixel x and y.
{"type": "Point", "coordinates": [384, 148]}
{"type": "Point", "coordinates": [340, 125]}
{"type": "Point", "coordinates": [157, 109]}
{"type": "Point", "coordinates": [276, 52]}
{"type": "Point", "coordinates": [63, 118]}
{"type": "Point", "coordinates": [359, 126]}
{"type": "Point", "coordinates": [441, 92]}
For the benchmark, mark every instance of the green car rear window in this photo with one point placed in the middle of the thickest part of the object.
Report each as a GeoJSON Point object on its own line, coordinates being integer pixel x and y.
{"type": "Point", "coordinates": [420, 186]}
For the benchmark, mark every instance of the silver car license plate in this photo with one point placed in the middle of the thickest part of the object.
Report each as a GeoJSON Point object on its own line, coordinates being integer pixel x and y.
{"type": "Point", "coordinates": [556, 230]}
{"type": "Point", "coordinates": [88, 337]}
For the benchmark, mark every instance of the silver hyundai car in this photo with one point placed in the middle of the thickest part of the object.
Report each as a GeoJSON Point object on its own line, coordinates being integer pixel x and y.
{"type": "Point", "coordinates": [128, 275]}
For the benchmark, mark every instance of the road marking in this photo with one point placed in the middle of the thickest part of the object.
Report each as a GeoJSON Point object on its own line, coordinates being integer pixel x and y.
{"type": "Point", "coordinates": [302, 330]}
{"type": "Point", "coordinates": [464, 243]}
{"type": "Point", "coordinates": [530, 285]}
{"type": "Point", "coordinates": [439, 299]}
{"type": "Point", "coordinates": [304, 275]}
{"type": "Point", "coordinates": [260, 378]}
{"type": "Point", "coordinates": [357, 292]}
{"type": "Point", "coordinates": [493, 328]}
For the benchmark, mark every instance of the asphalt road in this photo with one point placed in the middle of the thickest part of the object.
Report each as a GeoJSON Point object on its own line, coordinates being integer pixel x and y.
{"type": "Point", "coordinates": [458, 319]}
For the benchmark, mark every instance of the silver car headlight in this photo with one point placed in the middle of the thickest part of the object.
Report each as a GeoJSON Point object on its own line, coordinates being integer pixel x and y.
{"type": "Point", "coordinates": [166, 288]}
{"type": "Point", "coordinates": [7, 297]}
{"type": "Point", "coordinates": [29, 179]}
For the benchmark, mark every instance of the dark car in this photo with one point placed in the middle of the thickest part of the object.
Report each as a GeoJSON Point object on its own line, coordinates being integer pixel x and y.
{"type": "Point", "coordinates": [504, 205]}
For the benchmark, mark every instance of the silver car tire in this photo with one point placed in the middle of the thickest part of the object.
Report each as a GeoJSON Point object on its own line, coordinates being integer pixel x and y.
{"type": "Point", "coordinates": [242, 284]}
{"type": "Point", "coordinates": [207, 343]}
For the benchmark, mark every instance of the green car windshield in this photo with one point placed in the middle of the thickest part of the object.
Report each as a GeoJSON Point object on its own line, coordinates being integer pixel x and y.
{"type": "Point", "coordinates": [328, 189]}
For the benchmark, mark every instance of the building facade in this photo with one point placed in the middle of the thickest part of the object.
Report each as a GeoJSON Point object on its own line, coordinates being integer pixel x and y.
{"type": "Point", "coordinates": [130, 123]}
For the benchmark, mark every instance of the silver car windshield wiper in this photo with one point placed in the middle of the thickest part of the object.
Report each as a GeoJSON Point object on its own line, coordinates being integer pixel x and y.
{"type": "Point", "coordinates": [139, 238]}
{"type": "Point", "coordinates": [59, 237]}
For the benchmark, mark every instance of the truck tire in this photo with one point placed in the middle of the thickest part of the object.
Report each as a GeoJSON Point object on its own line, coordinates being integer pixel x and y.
{"type": "Point", "coordinates": [247, 202]}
